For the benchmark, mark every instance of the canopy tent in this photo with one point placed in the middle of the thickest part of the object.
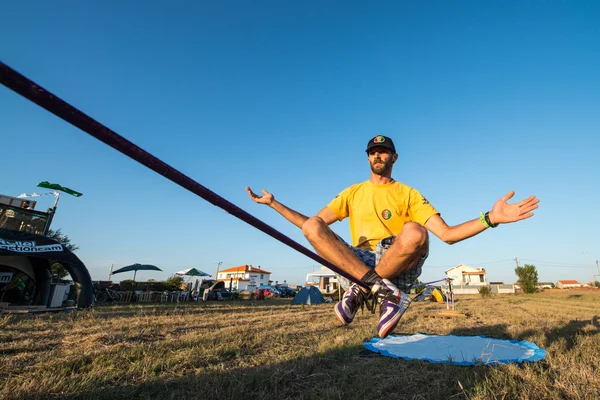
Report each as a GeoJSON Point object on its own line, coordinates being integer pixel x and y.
{"type": "Point", "coordinates": [324, 273]}
{"type": "Point", "coordinates": [192, 272]}
{"type": "Point", "coordinates": [26, 256]}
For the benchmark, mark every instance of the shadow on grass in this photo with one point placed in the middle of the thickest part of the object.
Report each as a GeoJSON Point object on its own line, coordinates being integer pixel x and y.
{"type": "Point", "coordinates": [569, 332]}
{"type": "Point", "coordinates": [347, 372]}
{"type": "Point", "coordinates": [499, 331]}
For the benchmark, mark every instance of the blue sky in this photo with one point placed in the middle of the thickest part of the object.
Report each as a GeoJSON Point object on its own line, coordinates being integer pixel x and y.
{"type": "Point", "coordinates": [479, 97]}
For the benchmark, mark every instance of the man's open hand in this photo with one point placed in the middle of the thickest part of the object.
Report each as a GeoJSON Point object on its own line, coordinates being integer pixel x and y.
{"type": "Point", "coordinates": [503, 213]}
{"type": "Point", "coordinates": [267, 198]}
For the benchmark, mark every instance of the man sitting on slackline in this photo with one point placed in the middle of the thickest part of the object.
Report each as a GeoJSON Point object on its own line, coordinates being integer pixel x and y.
{"type": "Point", "coordinates": [389, 224]}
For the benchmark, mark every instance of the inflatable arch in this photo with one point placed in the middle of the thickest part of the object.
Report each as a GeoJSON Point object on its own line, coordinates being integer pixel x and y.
{"type": "Point", "coordinates": [25, 261]}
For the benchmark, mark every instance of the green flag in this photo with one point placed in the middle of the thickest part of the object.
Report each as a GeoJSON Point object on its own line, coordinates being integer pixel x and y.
{"type": "Point", "coordinates": [56, 186]}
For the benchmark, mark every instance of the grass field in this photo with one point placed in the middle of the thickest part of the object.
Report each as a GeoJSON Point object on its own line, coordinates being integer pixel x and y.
{"type": "Point", "coordinates": [272, 350]}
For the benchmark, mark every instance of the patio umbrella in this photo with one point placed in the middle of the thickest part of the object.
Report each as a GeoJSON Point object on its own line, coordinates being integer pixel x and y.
{"type": "Point", "coordinates": [137, 267]}
{"type": "Point", "coordinates": [192, 272]}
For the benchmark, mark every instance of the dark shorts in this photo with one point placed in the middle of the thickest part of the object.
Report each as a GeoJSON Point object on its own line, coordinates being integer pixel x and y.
{"type": "Point", "coordinates": [371, 258]}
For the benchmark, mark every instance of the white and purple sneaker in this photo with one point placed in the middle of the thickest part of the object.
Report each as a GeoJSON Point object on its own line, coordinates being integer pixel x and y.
{"type": "Point", "coordinates": [346, 309]}
{"type": "Point", "coordinates": [392, 304]}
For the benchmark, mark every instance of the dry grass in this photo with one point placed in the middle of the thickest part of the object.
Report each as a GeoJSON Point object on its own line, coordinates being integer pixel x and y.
{"type": "Point", "coordinates": [272, 350]}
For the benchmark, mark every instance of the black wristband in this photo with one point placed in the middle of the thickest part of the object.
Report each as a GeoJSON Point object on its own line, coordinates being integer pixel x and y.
{"type": "Point", "coordinates": [370, 278]}
{"type": "Point", "coordinates": [487, 219]}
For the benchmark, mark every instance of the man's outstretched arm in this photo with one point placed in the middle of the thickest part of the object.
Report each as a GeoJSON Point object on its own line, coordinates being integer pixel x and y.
{"type": "Point", "coordinates": [291, 215]}
{"type": "Point", "coordinates": [501, 213]}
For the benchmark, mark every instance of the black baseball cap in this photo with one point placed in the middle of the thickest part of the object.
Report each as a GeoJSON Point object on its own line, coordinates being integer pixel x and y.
{"type": "Point", "coordinates": [382, 141]}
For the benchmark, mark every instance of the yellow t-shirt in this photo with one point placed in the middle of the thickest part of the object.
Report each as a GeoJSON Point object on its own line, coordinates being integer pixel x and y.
{"type": "Point", "coordinates": [379, 211]}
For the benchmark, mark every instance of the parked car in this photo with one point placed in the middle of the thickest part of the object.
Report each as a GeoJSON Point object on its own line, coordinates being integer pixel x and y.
{"type": "Point", "coordinates": [286, 291]}
{"type": "Point", "coordinates": [270, 291]}
{"type": "Point", "coordinates": [218, 292]}
{"type": "Point", "coordinates": [273, 292]}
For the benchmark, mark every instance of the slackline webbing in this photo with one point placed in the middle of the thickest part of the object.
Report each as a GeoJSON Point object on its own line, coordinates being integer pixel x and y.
{"type": "Point", "coordinates": [427, 283]}
{"type": "Point", "coordinates": [45, 99]}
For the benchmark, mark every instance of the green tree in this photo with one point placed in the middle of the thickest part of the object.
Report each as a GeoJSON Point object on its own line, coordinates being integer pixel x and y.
{"type": "Point", "coordinates": [528, 278]}
{"type": "Point", "coordinates": [58, 270]}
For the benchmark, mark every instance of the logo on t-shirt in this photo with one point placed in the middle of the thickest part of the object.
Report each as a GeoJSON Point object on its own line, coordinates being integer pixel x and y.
{"type": "Point", "coordinates": [425, 201]}
{"type": "Point", "coordinates": [386, 214]}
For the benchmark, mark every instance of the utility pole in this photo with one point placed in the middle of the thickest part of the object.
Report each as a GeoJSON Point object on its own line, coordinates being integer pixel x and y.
{"type": "Point", "coordinates": [517, 261]}
{"type": "Point", "coordinates": [218, 267]}
{"type": "Point", "coordinates": [110, 272]}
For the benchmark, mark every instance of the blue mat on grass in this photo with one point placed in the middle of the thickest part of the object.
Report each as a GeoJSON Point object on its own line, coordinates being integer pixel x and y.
{"type": "Point", "coordinates": [457, 350]}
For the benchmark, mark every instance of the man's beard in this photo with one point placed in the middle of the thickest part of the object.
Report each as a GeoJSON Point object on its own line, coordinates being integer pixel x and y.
{"type": "Point", "coordinates": [383, 168]}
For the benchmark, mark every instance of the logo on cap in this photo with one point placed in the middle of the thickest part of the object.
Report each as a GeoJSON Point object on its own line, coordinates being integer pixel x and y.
{"type": "Point", "coordinates": [379, 139]}
{"type": "Point", "coordinates": [386, 214]}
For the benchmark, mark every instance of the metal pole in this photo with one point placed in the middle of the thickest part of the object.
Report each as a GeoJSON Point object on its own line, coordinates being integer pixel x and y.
{"type": "Point", "coordinates": [51, 213]}
{"type": "Point", "coordinates": [57, 194]}
{"type": "Point", "coordinates": [589, 267]}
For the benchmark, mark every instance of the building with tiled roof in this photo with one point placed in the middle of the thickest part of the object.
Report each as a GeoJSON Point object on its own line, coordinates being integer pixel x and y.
{"type": "Point", "coordinates": [466, 279]}
{"type": "Point", "coordinates": [465, 275]}
{"type": "Point", "coordinates": [244, 277]}
{"type": "Point", "coordinates": [568, 283]}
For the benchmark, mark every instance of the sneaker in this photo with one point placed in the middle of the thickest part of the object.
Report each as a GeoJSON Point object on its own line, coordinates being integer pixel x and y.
{"type": "Point", "coordinates": [346, 309]}
{"type": "Point", "coordinates": [392, 304]}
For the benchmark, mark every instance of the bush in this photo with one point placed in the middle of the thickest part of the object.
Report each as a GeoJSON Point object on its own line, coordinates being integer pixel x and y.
{"type": "Point", "coordinates": [485, 291]}
{"type": "Point", "coordinates": [174, 283]}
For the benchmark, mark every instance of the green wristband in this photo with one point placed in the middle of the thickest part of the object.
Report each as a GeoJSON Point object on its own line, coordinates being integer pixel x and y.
{"type": "Point", "coordinates": [482, 219]}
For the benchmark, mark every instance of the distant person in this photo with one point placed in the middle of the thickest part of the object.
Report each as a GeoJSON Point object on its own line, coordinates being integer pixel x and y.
{"type": "Point", "coordinates": [389, 224]}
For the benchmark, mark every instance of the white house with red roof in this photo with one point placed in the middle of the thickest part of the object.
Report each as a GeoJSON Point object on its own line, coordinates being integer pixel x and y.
{"type": "Point", "coordinates": [465, 275]}
{"type": "Point", "coordinates": [467, 279]}
{"type": "Point", "coordinates": [244, 277]}
{"type": "Point", "coordinates": [568, 283]}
